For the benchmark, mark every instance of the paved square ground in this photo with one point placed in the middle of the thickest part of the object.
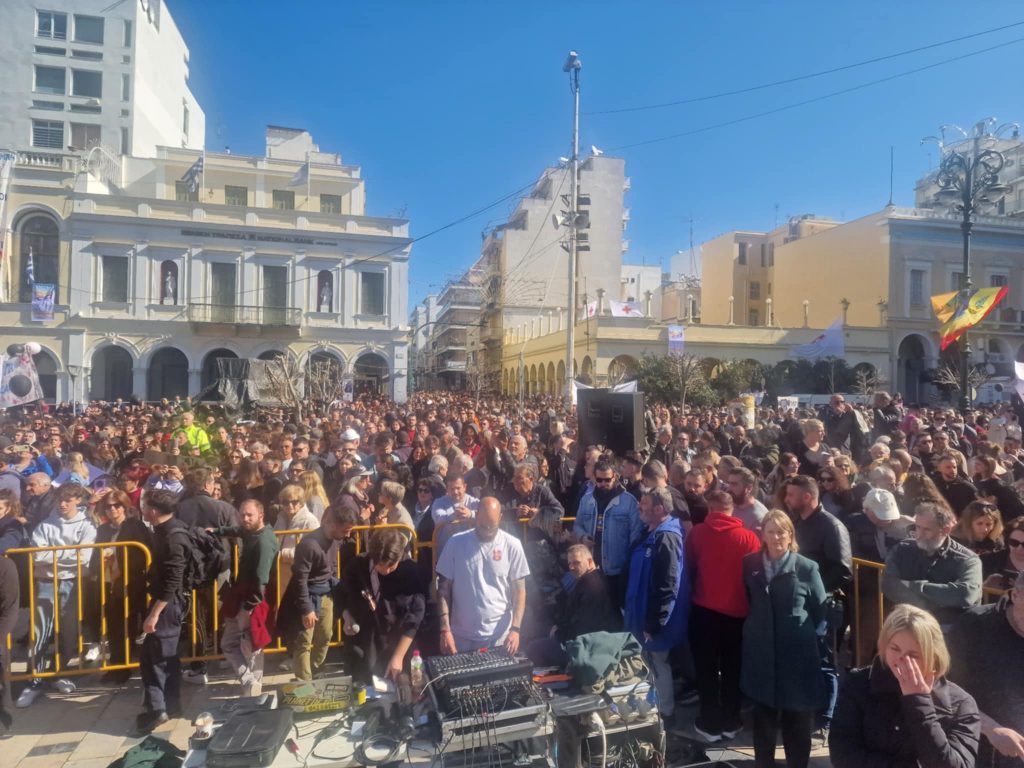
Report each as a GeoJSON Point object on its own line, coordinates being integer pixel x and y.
{"type": "Point", "coordinates": [89, 728]}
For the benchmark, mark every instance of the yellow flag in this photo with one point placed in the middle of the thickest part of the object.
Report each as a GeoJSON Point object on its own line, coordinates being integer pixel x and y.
{"type": "Point", "coordinates": [970, 313]}
{"type": "Point", "coordinates": [944, 305]}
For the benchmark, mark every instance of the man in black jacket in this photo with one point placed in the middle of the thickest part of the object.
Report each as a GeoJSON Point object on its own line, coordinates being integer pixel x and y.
{"type": "Point", "coordinates": [953, 487]}
{"type": "Point", "coordinates": [159, 661]}
{"type": "Point", "coordinates": [987, 646]}
{"type": "Point", "coordinates": [198, 509]}
{"type": "Point", "coordinates": [306, 616]}
{"type": "Point", "coordinates": [41, 500]}
{"type": "Point", "coordinates": [825, 540]}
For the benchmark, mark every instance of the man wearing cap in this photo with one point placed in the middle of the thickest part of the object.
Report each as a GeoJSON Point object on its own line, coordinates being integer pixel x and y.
{"type": "Point", "coordinates": [888, 526]}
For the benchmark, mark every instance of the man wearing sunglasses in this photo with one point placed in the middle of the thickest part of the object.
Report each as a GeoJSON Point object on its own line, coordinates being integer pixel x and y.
{"type": "Point", "coordinates": [608, 521]}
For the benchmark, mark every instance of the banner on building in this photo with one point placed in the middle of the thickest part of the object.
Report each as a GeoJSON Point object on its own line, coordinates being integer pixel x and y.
{"type": "Point", "coordinates": [7, 161]}
{"type": "Point", "coordinates": [43, 299]}
{"type": "Point", "coordinates": [625, 308]}
{"type": "Point", "coordinates": [676, 339]}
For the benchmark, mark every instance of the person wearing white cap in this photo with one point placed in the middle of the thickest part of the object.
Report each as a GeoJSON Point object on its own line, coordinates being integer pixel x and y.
{"type": "Point", "coordinates": [891, 527]}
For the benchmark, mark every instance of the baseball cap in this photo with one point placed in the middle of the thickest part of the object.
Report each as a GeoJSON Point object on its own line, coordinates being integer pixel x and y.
{"type": "Point", "coordinates": [882, 504]}
{"type": "Point", "coordinates": [349, 434]}
{"type": "Point", "coordinates": [357, 471]}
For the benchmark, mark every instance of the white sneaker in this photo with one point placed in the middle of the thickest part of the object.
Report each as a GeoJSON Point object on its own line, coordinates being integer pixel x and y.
{"type": "Point", "coordinates": [28, 696]}
{"type": "Point", "coordinates": [65, 686]}
{"type": "Point", "coordinates": [92, 655]}
{"type": "Point", "coordinates": [194, 678]}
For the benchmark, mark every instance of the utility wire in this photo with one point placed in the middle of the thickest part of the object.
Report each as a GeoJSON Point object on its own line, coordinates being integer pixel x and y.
{"type": "Point", "coordinates": [799, 78]}
{"type": "Point", "coordinates": [814, 100]}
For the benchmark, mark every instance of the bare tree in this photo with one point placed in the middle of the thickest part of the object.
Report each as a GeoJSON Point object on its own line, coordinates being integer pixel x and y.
{"type": "Point", "coordinates": [866, 381]}
{"type": "Point", "coordinates": [324, 382]}
{"type": "Point", "coordinates": [947, 376]}
{"type": "Point", "coordinates": [281, 383]}
{"type": "Point", "coordinates": [688, 370]}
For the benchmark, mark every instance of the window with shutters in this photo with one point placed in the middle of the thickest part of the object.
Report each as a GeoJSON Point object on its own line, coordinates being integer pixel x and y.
{"type": "Point", "coordinates": [371, 293]}
{"type": "Point", "coordinates": [48, 134]}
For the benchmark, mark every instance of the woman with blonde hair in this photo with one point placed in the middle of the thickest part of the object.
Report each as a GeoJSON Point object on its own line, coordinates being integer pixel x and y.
{"type": "Point", "coordinates": [316, 495]}
{"type": "Point", "coordinates": [812, 452]}
{"type": "Point", "coordinates": [781, 669]}
{"type": "Point", "coordinates": [902, 711]}
{"type": "Point", "coordinates": [294, 515]}
{"type": "Point", "coordinates": [77, 470]}
{"type": "Point", "coordinates": [980, 528]}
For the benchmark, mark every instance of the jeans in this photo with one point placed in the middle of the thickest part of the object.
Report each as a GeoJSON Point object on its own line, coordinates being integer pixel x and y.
{"type": "Point", "coordinates": [796, 736]}
{"type": "Point", "coordinates": [828, 646]}
{"type": "Point", "coordinates": [662, 670]}
{"type": "Point", "coordinates": [246, 661]}
{"type": "Point", "coordinates": [309, 646]}
{"type": "Point", "coordinates": [66, 639]}
{"type": "Point", "coordinates": [716, 641]}
{"type": "Point", "coordinates": [160, 664]}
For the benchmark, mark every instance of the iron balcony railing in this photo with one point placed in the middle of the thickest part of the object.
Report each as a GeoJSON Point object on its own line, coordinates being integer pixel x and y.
{"type": "Point", "coordinates": [244, 314]}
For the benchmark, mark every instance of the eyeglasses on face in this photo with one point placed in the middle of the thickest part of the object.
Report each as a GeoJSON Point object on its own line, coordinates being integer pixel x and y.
{"type": "Point", "coordinates": [604, 479]}
{"type": "Point", "coordinates": [1014, 543]}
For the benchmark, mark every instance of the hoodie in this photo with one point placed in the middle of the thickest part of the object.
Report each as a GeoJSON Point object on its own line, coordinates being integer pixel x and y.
{"type": "Point", "coordinates": [55, 531]}
{"type": "Point", "coordinates": [714, 558]}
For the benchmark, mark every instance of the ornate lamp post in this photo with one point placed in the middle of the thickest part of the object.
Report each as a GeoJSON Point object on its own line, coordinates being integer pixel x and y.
{"type": "Point", "coordinates": [968, 180]}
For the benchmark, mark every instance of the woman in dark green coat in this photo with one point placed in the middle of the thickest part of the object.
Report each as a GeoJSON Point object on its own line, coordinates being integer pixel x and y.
{"type": "Point", "coordinates": [781, 669]}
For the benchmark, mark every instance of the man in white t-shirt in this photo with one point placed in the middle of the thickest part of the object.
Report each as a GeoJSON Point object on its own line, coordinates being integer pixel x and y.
{"type": "Point", "coordinates": [482, 585]}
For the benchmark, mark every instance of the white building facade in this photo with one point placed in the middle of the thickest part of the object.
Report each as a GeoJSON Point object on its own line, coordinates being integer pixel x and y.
{"type": "Point", "coordinates": [79, 74]}
{"type": "Point", "coordinates": [155, 282]}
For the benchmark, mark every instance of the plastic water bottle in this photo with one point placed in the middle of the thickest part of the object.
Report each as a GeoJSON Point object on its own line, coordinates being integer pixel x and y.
{"type": "Point", "coordinates": [416, 676]}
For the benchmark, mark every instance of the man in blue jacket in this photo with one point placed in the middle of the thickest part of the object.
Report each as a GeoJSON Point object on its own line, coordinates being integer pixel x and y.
{"type": "Point", "coordinates": [658, 595]}
{"type": "Point", "coordinates": [608, 521]}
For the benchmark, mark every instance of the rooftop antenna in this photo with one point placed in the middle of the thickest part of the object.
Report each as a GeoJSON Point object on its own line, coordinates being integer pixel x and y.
{"type": "Point", "coordinates": [776, 216]}
{"type": "Point", "coordinates": [693, 255]}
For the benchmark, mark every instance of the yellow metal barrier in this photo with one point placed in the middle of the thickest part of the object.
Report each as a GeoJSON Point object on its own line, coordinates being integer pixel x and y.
{"type": "Point", "coordinates": [871, 606]}
{"type": "Point", "coordinates": [37, 559]}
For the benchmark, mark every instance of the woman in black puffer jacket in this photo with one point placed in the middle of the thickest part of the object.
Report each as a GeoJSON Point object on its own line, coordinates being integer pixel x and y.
{"type": "Point", "coordinates": [901, 712]}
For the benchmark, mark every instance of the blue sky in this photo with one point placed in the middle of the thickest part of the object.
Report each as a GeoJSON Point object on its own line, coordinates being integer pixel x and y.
{"type": "Point", "coordinates": [449, 106]}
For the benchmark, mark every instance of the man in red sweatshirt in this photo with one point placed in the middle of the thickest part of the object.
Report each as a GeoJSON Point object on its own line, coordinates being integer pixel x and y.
{"type": "Point", "coordinates": [714, 558]}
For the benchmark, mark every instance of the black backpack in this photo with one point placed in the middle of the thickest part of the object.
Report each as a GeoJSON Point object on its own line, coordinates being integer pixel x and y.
{"type": "Point", "coordinates": [207, 558]}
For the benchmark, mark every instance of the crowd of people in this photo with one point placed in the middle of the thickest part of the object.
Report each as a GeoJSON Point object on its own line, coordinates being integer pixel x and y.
{"type": "Point", "coordinates": [725, 545]}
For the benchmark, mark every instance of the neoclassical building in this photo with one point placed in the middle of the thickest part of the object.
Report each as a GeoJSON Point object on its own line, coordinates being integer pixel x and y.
{"type": "Point", "coordinates": [157, 279]}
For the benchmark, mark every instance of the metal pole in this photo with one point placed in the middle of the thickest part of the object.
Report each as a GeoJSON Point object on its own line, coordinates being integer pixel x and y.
{"type": "Point", "coordinates": [965, 350]}
{"type": "Point", "coordinates": [574, 161]}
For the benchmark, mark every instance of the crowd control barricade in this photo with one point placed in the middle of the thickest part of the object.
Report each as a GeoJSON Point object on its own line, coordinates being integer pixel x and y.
{"type": "Point", "coordinates": [205, 646]}
{"type": "Point", "coordinates": [870, 608]}
{"type": "Point", "coordinates": [88, 570]}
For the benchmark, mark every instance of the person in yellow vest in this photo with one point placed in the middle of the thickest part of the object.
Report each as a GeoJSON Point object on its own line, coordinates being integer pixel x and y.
{"type": "Point", "coordinates": [197, 437]}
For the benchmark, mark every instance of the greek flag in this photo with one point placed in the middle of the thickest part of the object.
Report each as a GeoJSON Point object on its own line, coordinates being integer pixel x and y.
{"type": "Point", "coordinates": [30, 271]}
{"type": "Point", "coordinates": [193, 175]}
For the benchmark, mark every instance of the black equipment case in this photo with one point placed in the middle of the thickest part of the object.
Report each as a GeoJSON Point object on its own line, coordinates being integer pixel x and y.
{"type": "Point", "coordinates": [249, 739]}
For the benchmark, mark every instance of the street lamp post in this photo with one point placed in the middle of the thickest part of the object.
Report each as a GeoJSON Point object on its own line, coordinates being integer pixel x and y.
{"type": "Point", "coordinates": [968, 177]}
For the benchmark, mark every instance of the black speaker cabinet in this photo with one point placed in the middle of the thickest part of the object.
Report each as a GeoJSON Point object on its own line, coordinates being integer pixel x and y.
{"type": "Point", "coordinates": [612, 419]}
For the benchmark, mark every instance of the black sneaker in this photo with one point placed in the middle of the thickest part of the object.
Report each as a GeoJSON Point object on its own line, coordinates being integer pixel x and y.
{"type": "Point", "coordinates": [147, 722]}
{"type": "Point", "coordinates": [687, 695]}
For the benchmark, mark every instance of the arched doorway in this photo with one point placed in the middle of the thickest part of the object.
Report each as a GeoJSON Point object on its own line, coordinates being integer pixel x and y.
{"type": "Point", "coordinates": [621, 369]}
{"type": "Point", "coordinates": [371, 374]}
{"type": "Point", "coordinates": [168, 374]}
{"type": "Point", "coordinates": [46, 369]}
{"type": "Point", "coordinates": [587, 371]}
{"type": "Point", "coordinates": [910, 365]}
{"type": "Point", "coordinates": [552, 383]}
{"type": "Point", "coordinates": [210, 373]}
{"type": "Point", "coordinates": [560, 378]}
{"type": "Point", "coordinates": [111, 374]}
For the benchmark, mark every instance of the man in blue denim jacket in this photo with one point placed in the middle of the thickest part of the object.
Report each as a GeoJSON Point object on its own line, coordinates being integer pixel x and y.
{"type": "Point", "coordinates": [608, 520]}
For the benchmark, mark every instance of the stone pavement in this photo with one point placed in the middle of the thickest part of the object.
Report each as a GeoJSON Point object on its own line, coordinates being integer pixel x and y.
{"type": "Point", "coordinates": [89, 728]}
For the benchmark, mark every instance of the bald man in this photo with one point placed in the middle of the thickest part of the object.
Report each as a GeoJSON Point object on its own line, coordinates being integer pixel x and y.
{"type": "Point", "coordinates": [482, 585]}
